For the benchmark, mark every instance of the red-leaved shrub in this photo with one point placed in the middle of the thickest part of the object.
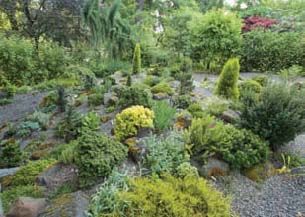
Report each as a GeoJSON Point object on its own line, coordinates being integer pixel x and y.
{"type": "Point", "coordinates": [253, 22]}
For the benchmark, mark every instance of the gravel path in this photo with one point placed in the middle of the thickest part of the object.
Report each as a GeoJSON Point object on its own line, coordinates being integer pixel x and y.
{"type": "Point", "coordinates": [279, 196]}
{"type": "Point", "coordinates": [23, 105]}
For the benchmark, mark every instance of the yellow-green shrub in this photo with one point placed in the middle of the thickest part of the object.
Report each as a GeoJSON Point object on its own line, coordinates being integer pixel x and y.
{"type": "Point", "coordinates": [28, 173]}
{"type": "Point", "coordinates": [162, 88]}
{"type": "Point", "coordinates": [227, 83]}
{"type": "Point", "coordinates": [173, 197]}
{"type": "Point", "coordinates": [131, 119]}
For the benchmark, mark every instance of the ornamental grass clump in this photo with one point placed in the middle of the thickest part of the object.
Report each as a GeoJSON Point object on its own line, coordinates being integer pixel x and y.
{"type": "Point", "coordinates": [130, 120]}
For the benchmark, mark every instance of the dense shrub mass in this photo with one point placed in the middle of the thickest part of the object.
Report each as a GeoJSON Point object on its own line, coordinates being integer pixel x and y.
{"type": "Point", "coordinates": [130, 120]}
{"type": "Point", "coordinates": [96, 156]}
{"type": "Point", "coordinates": [21, 64]}
{"type": "Point", "coordinates": [134, 95]}
{"type": "Point", "coordinates": [271, 51]}
{"type": "Point", "coordinates": [240, 148]}
{"type": "Point", "coordinates": [172, 197]}
{"type": "Point", "coordinates": [10, 154]}
{"type": "Point", "coordinates": [278, 116]}
{"type": "Point", "coordinates": [227, 82]}
{"type": "Point", "coordinates": [216, 36]}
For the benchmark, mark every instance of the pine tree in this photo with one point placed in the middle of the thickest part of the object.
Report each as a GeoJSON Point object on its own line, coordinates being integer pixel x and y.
{"type": "Point", "coordinates": [227, 83]}
{"type": "Point", "coordinates": [137, 59]}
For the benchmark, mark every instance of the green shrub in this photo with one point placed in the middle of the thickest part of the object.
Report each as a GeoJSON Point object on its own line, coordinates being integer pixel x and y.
{"type": "Point", "coordinates": [130, 120]}
{"type": "Point", "coordinates": [137, 59]}
{"type": "Point", "coordinates": [261, 79]}
{"type": "Point", "coordinates": [277, 116]}
{"type": "Point", "coordinates": [96, 99]}
{"type": "Point", "coordinates": [250, 85]}
{"type": "Point", "coordinates": [152, 80]}
{"type": "Point", "coordinates": [164, 115]}
{"type": "Point", "coordinates": [52, 59]}
{"type": "Point", "coordinates": [10, 90]}
{"type": "Point", "coordinates": [240, 148]}
{"type": "Point", "coordinates": [96, 156]}
{"type": "Point", "coordinates": [165, 154]}
{"type": "Point", "coordinates": [198, 129]}
{"type": "Point", "coordinates": [10, 154]}
{"type": "Point", "coordinates": [68, 154]}
{"type": "Point", "coordinates": [10, 196]}
{"type": "Point", "coordinates": [171, 197]}
{"type": "Point", "coordinates": [28, 173]}
{"type": "Point", "coordinates": [216, 37]}
{"type": "Point", "coordinates": [227, 83]}
{"type": "Point", "coordinates": [134, 95]}
{"type": "Point", "coordinates": [272, 51]}
{"type": "Point", "coordinates": [196, 110]}
{"type": "Point", "coordinates": [17, 59]}
{"type": "Point", "coordinates": [185, 76]}
{"type": "Point", "coordinates": [215, 105]}
{"type": "Point", "coordinates": [162, 87]}
{"type": "Point", "coordinates": [186, 170]}
{"type": "Point", "coordinates": [69, 127]}
{"type": "Point", "coordinates": [182, 101]}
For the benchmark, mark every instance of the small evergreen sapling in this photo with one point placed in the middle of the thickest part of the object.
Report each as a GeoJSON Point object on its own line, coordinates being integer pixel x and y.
{"type": "Point", "coordinates": [137, 59]}
{"type": "Point", "coordinates": [185, 77]}
{"type": "Point", "coordinates": [227, 84]}
{"type": "Point", "coordinates": [61, 100]}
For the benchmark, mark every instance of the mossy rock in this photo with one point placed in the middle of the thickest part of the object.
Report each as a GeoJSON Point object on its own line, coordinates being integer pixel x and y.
{"type": "Point", "coordinates": [68, 205]}
{"type": "Point", "coordinates": [261, 172]}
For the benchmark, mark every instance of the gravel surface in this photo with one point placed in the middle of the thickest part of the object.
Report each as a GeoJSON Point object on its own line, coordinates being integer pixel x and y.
{"type": "Point", "coordinates": [279, 196]}
{"type": "Point", "coordinates": [23, 105]}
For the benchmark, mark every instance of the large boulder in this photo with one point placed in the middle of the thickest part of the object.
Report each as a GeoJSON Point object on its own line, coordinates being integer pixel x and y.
{"type": "Point", "coordinates": [74, 204]}
{"type": "Point", "coordinates": [57, 175]}
{"type": "Point", "coordinates": [214, 167]}
{"type": "Point", "coordinates": [27, 207]}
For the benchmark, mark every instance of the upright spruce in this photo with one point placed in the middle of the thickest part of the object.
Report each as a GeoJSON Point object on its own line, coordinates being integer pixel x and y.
{"type": "Point", "coordinates": [227, 82]}
{"type": "Point", "coordinates": [185, 77]}
{"type": "Point", "coordinates": [137, 59]}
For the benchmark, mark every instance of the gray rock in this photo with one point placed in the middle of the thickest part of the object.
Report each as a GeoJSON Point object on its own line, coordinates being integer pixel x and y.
{"type": "Point", "coordinates": [27, 207]}
{"type": "Point", "coordinates": [230, 116]}
{"type": "Point", "coordinates": [110, 99]}
{"type": "Point", "coordinates": [8, 172]}
{"type": "Point", "coordinates": [213, 167]}
{"type": "Point", "coordinates": [161, 96]}
{"type": "Point", "coordinates": [296, 147]}
{"type": "Point", "coordinates": [74, 204]}
{"type": "Point", "coordinates": [22, 105]}
{"type": "Point", "coordinates": [57, 175]}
